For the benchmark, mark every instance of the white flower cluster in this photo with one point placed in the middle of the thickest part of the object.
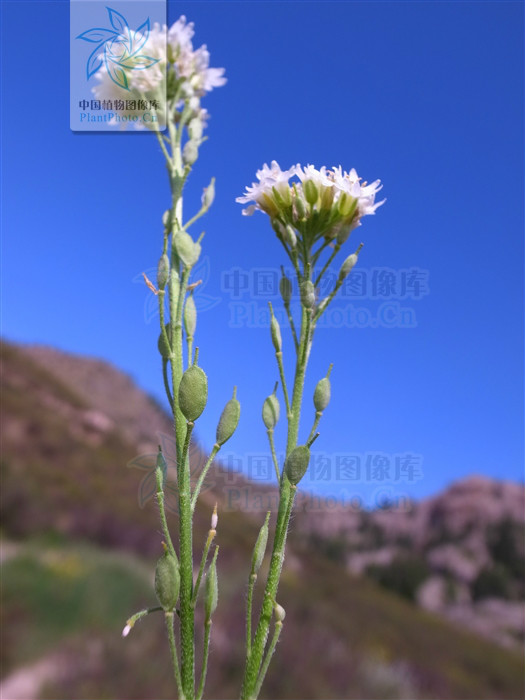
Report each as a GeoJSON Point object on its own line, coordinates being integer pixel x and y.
{"type": "Point", "coordinates": [322, 202]}
{"type": "Point", "coordinates": [176, 69]}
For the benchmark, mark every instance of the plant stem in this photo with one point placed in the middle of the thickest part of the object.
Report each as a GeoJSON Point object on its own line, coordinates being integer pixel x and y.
{"type": "Point", "coordinates": [159, 477]}
{"type": "Point", "coordinates": [268, 658]}
{"type": "Point", "coordinates": [209, 540]}
{"type": "Point", "coordinates": [173, 649]}
{"type": "Point", "coordinates": [249, 606]}
{"type": "Point", "coordinates": [207, 631]}
{"type": "Point", "coordinates": [269, 432]}
{"type": "Point", "coordinates": [202, 476]}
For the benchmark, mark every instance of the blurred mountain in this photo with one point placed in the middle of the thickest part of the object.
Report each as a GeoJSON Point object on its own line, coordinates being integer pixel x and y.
{"type": "Point", "coordinates": [79, 440]}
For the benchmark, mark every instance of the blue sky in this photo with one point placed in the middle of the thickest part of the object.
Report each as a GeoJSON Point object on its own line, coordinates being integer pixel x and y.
{"type": "Point", "coordinates": [427, 96]}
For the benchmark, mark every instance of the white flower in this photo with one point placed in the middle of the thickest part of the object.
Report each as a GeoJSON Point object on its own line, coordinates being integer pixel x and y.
{"type": "Point", "coordinates": [193, 75]}
{"type": "Point", "coordinates": [335, 200]}
{"type": "Point", "coordinates": [126, 630]}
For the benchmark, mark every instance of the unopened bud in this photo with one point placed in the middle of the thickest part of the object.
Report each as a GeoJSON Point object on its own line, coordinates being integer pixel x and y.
{"type": "Point", "coordinates": [190, 316]}
{"type": "Point", "coordinates": [166, 218]}
{"type": "Point", "coordinates": [163, 271]}
{"type": "Point", "coordinates": [195, 128]}
{"type": "Point", "coordinates": [300, 207]}
{"type": "Point", "coordinates": [214, 519]}
{"type": "Point", "coordinates": [296, 464]}
{"type": "Point", "coordinates": [260, 546]}
{"type": "Point", "coordinates": [311, 192]}
{"type": "Point", "coordinates": [307, 294]}
{"type": "Point", "coordinates": [327, 197]}
{"type": "Point", "coordinates": [229, 420]}
{"type": "Point", "coordinates": [289, 236]}
{"type": "Point", "coordinates": [167, 581]}
{"type": "Point", "coordinates": [271, 411]}
{"type": "Point", "coordinates": [190, 152]}
{"type": "Point", "coordinates": [208, 195]}
{"type": "Point", "coordinates": [193, 393]}
{"type": "Point", "coordinates": [126, 630]}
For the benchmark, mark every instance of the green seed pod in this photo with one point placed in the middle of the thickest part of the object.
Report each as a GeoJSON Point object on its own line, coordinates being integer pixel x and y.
{"type": "Point", "coordinates": [276, 334]}
{"type": "Point", "coordinates": [167, 581]}
{"type": "Point", "coordinates": [260, 546]}
{"type": "Point", "coordinates": [271, 411]}
{"type": "Point", "coordinates": [187, 249]}
{"type": "Point", "coordinates": [190, 316]}
{"type": "Point", "coordinates": [296, 464]}
{"type": "Point", "coordinates": [285, 287]}
{"type": "Point", "coordinates": [193, 393]}
{"type": "Point", "coordinates": [307, 294]}
{"type": "Point", "coordinates": [346, 267]}
{"type": "Point", "coordinates": [229, 420]}
{"type": "Point", "coordinates": [311, 192]}
{"type": "Point", "coordinates": [212, 590]}
{"type": "Point", "coordinates": [166, 218]}
{"type": "Point", "coordinates": [322, 394]}
{"type": "Point", "coordinates": [190, 152]}
{"type": "Point", "coordinates": [163, 271]}
{"type": "Point", "coordinates": [163, 344]}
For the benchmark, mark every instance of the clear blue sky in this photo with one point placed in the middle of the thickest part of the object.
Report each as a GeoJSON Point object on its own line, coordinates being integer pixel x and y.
{"type": "Point", "coordinates": [427, 96]}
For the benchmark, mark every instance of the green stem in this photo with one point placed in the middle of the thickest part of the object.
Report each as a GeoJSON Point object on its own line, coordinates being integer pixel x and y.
{"type": "Point", "coordinates": [327, 264]}
{"type": "Point", "coordinates": [173, 650]}
{"type": "Point", "coordinates": [160, 501]}
{"type": "Point", "coordinates": [207, 631]}
{"type": "Point", "coordinates": [268, 658]}
{"type": "Point", "coordinates": [202, 476]}
{"type": "Point", "coordinates": [318, 415]}
{"type": "Point", "coordinates": [209, 540]}
{"type": "Point", "coordinates": [279, 358]}
{"type": "Point", "coordinates": [249, 606]}
{"type": "Point", "coordinates": [292, 326]}
{"type": "Point", "coordinates": [269, 432]}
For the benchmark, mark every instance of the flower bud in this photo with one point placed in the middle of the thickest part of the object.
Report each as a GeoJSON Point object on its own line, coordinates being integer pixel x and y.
{"type": "Point", "coordinates": [322, 394]}
{"type": "Point", "coordinates": [212, 590]}
{"type": "Point", "coordinates": [300, 207]}
{"type": "Point", "coordinates": [190, 152]}
{"type": "Point", "coordinates": [190, 316]}
{"type": "Point", "coordinates": [214, 519]}
{"type": "Point", "coordinates": [193, 393]}
{"type": "Point", "coordinates": [307, 294]}
{"type": "Point", "coordinates": [260, 546]}
{"type": "Point", "coordinates": [163, 271]}
{"type": "Point", "coordinates": [187, 249]}
{"type": "Point", "coordinates": [195, 128]}
{"type": "Point", "coordinates": [289, 236]}
{"type": "Point", "coordinates": [167, 581]}
{"type": "Point", "coordinates": [229, 420]}
{"type": "Point", "coordinates": [166, 218]}
{"type": "Point", "coordinates": [327, 198]}
{"type": "Point", "coordinates": [285, 287]}
{"type": "Point", "coordinates": [163, 344]}
{"type": "Point", "coordinates": [208, 195]}
{"type": "Point", "coordinates": [271, 411]}
{"type": "Point", "coordinates": [296, 464]}
{"type": "Point", "coordinates": [311, 192]}
{"type": "Point", "coordinates": [279, 612]}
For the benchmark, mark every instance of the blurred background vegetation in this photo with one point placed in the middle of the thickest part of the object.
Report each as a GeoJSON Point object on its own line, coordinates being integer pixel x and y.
{"type": "Point", "coordinates": [422, 603]}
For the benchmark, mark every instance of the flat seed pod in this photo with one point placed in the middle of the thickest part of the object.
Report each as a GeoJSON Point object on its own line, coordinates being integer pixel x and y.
{"type": "Point", "coordinates": [307, 294]}
{"type": "Point", "coordinates": [296, 464]}
{"type": "Point", "coordinates": [163, 345]}
{"type": "Point", "coordinates": [228, 421]}
{"type": "Point", "coordinates": [167, 581]}
{"type": "Point", "coordinates": [260, 546]}
{"type": "Point", "coordinates": [271, 411]}
{"type": "Point", "coordinates": [193, 392]}
{"type": "Point", "coordinates": [163, 271]}
{"type": "Point", "coordinates": [276, 334]}
{"type": "Point", "coordinates": [187, 249]}
{"type": "Point", "coordinates": [212, 590]}
{"type": "Point", "coordinates": [322, 394]}
{"type": "Point", "coordinates": [190, 316]}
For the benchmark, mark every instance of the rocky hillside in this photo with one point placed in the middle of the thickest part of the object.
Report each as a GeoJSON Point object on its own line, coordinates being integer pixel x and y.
{"type": "Point", "coordinates": [79, 551]}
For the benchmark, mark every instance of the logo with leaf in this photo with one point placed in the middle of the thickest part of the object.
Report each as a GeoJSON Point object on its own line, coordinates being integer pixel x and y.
{"type": "Point", "coordinates": [119, 49]}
